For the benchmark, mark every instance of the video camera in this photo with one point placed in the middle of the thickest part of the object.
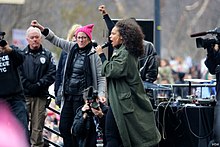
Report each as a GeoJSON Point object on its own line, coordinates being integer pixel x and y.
{"type": "Point", "coordinates": [91, 95]}
{"type": "Point", "coordinates": [3, 43]}
{"type": "Point", "coordinates": [207, 42]}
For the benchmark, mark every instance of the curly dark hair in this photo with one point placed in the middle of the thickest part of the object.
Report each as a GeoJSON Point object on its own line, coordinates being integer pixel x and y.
{"type": "Point", "coordinates": [132, 36]}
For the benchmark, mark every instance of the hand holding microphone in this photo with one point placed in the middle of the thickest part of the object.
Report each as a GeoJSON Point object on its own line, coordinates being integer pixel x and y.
{"type": "Point", "coordinates": [99, 48]}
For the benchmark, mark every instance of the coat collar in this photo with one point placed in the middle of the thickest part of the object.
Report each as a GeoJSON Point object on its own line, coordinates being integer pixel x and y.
{"type": "Point", "coordinates": [117, 51]}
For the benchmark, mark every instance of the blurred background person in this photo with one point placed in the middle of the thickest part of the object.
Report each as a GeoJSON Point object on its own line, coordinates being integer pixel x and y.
{"type": "Point", "coordinates": [165, 72]}
{"type": "Point", "coordinates": [37, 74]}
{"type": "Point", "coordinates": [181, 92]}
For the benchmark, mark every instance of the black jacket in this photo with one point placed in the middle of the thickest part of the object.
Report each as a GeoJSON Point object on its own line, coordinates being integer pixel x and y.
{"type": "Point", "coordinates": [85, 129]}
{"type": "Point", "coordinates": [10, 83]}
{"type": "Point", "coordinates": [38, 69]}
{"type": "Point", "coordinates": [148, 63]}
{"type": "Point", "coordinates": [212, 62]}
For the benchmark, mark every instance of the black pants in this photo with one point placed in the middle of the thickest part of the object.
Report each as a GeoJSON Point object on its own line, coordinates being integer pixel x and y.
{"type": "Point", "coordinates": [18, 107]}
{"type": "Point", "coordinates": [112, 135]}
{"type": "Point", "coordinates": [66, 120]}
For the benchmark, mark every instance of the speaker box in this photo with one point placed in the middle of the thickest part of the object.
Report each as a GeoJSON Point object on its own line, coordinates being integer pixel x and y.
{"type": "Point", "coordinates": [147, 26]}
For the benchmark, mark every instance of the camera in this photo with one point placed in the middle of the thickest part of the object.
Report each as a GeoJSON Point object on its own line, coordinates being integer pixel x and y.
{"type": "Point", "coordinates": [91, 95]}
{"type": "Point", "coordinates": [207, 42]}
{"type": "Point", "coordinates": [3, 43]}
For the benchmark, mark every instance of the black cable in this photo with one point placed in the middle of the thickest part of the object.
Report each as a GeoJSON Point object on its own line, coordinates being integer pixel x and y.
{"type": "Point", "coordinates": [188, 123]}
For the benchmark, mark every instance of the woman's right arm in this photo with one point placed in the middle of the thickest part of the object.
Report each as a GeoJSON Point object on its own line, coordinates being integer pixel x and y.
{"type": "Point", "coordinates": [109, 23]}
{"type": "Point", "coordinates": [53, 38]}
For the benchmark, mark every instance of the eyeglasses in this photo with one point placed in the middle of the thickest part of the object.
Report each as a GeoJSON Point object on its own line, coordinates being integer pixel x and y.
{"type": "Point", "coordinates": [82, 37]}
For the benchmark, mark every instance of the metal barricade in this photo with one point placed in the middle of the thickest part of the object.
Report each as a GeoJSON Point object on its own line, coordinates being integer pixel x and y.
{"type": "Point", "coordinates": [166, 92]}
{"type": "Point", "coordinates": [46, 140]}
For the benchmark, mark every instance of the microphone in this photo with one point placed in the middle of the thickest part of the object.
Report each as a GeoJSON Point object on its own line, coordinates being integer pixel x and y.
{"type": "Point", "coordinates": [215, 31]}
{"type": "Point", "coordinates": [199, 34]}
{"type": "Point", "coordinates": [106, 44]}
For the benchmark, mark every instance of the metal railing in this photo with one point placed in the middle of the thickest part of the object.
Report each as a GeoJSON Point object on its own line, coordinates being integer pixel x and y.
{"type": "Point", "coordinates": [167, 92]}
{"type": "Point", "coordinates": [46, 140]}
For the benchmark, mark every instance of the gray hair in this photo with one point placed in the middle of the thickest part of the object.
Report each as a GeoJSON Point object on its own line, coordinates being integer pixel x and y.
{"type": "Point", "coordinates": [33, 29]}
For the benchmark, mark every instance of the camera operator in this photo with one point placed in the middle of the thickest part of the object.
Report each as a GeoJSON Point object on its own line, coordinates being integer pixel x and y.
{"type": "Point", "coordinates": [212, 62]}
{"type": "Point", "coordinates": [89, 122]}
{"type": "Point", "coordinates": [11, 88]}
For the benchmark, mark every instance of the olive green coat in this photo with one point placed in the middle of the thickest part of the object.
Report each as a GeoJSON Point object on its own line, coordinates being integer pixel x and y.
{"type": "Point", "coordinates": [131, 107]}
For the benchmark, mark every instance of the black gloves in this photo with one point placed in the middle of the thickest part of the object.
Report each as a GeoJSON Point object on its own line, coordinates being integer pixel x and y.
{"type": "Point", "coordinates": [34, 89]}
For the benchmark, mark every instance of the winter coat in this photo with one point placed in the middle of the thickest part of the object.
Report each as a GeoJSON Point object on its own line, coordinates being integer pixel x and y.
{"type": "Point", "coordinates": [99, 82]}
{"type": "Point", "coordinates": [39, 68]}
{"type": "Point", "coordinates": [131, 107]}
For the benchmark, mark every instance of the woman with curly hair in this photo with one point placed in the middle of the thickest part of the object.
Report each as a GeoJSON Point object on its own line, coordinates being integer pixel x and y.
{"type": "Point", "coordinates": [130, 120]}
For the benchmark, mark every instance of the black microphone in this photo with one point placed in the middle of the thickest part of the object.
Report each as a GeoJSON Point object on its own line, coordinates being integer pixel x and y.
{"type": "Point", "coordinates": [199, 34]}
{"type": "Point", "coordinates": [215, 31]}
{"type": "Point", "coordinates": [106, 44]}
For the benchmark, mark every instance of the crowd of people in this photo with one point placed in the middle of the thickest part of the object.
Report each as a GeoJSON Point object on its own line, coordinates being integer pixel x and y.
{"type": "Point", "coordinates": [102, 99]}
{"type": "Point", "coordinates": [177, 70]}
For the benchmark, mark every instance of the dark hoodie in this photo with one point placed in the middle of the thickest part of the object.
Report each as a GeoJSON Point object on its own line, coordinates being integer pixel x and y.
{"type": "Point", "coordinates": [10, 83]}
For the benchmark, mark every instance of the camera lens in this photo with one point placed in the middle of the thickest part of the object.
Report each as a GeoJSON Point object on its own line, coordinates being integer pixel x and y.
{"type": "Point", "coordinates": [95, 105]}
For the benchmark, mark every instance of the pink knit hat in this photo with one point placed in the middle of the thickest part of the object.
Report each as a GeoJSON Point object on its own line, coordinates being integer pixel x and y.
{"type": "Point", "coordinates": [86, 29]}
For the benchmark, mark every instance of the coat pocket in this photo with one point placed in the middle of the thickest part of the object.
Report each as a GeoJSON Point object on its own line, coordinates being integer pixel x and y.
{"type": "Point", "coordinates": [126, 102]}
